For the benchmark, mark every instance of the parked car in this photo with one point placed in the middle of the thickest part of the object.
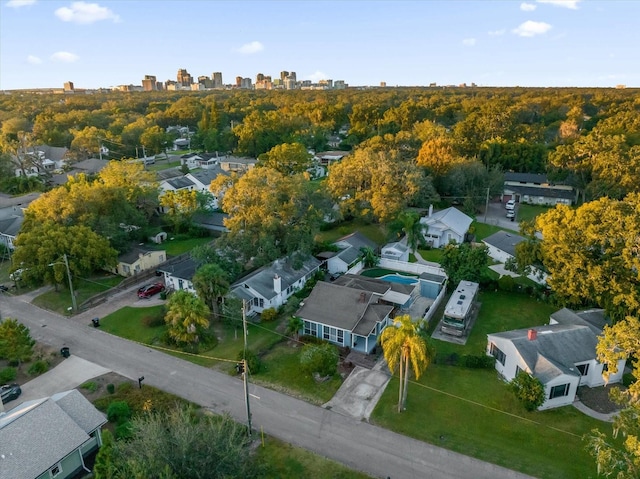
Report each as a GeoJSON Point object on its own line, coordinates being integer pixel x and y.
{"type": "Point", "coordinates": [511, 214]}
{"type": "Point", "coordinates": [150, 289]}
{"type": "Point", "coordinates": [511, 205]}
{"type": "Point", "coordinates": [9, 392]}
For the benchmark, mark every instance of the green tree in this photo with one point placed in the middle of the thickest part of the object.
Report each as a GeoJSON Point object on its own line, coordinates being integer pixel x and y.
{"type": "Point", "coordinates": [104, 467]}
{"type": "Point", "coordinates": [39, 251]}
{"type": "Point", "coordinates": [294, 326]}
{"type": "Point", "coordinates": [16, 344]}
{"type": "Point", "coordinates": [187, 318]}
{"type": "Point", "coordinates": [154, 139]}
{"type": "Point", "coordinates": [369, 257]}
{"type": "Point", "coordinates": [180, 206]}
{"type": "Point", "coordinates": [403, 345]}
{"type": "Point", "coordinates": [212, 284]}
{"type": "Point", "coordinates": [185, 444]}
{"type": "Point", "coordinates": [319, 358]}
{"type": "Point", "coordinates": [465, 262]}
{"type": "Point", "coordinates": [408, 224]}
{"type": "Point", "coordinates": [287, 158]}
{"type": "Point", "coordinates": [528, 390]}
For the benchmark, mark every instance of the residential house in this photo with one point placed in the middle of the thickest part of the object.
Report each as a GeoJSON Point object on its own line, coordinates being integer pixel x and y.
{"type": "Point", "coordinates": [327, 158]}
{"type": "Point", "coordinates": [139, 259]}
{"type": "Point", "coordinates": [49, 438]}
{"type": "Point", "coordinates": [349, 254]}
{"type": "Point", "coordinates": [179, 276]}
{"type": "Point", "coordinates": [501, 247]}
{"type": "Point", "coordinates": [43, 159]}
{"type": "Point", "coordinates": [236, 164]}
{"type": "Point", "coordinates": [203, 178]}
{"type": "Point", "coordinates": [12, 216]}
{"type": "Point", "coordinates": [360, 309]}
{"type": "Point", "coordinates": [9, 229]}
{"type": "Point", "coordinates": [536, 189]}
{"type": "Point", "coordinates": [200, 160]}
{"type": "Point", "coordinates": [176, 184]}
{"type": "Point", "coordinates": [445, 226]}
{"type": "Point", "coordinates": [272, 285]}
{"type": "Point", "coordinates": [168, 174]}
{"type": "Point", "coordinates": [562, 354]}
{"type": "Point", "coordinates": [396, 250]}
{"type": "Point", "coordinates": [213, 221]}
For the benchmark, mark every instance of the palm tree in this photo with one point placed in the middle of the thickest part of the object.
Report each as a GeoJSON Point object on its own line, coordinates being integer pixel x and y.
{"type": "Point", "coordinates": [369, 257]}
{"type": "Point", "coordinates": [186, 317]}
{"type": "Point", "coordinates": [211, 283]}
{"type": "Point", "coordinates": [294, 326]}
{"type": "Point", "coordinates": [402, 345]}
{"type": "Point", "coordinates": [408, 223]}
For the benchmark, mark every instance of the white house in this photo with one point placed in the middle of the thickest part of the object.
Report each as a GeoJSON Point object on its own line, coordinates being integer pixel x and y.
{"type": "Point", "coordinates": [562, 354]}
{"type": "Point", "coordinates": [179, 276]}
{"type": "Point", "coordinates": [501, 247]}
{"type": "Point", "coordinates": [49, 438]}
{"type": "Point", "coordinates": [203, 178]}
{"type": "Point", "coordinates": [272, 285]}
{"type": "Point", "coordinates": [176, 184]}
{"type": "Point", "coordinates": [396, 250]}
{"type": "Point", "coordinates": [536, 189]}
{"type": "Point", "coordinates": [445, 226]}
{"type": "Point", "coordinates": [349, 254]}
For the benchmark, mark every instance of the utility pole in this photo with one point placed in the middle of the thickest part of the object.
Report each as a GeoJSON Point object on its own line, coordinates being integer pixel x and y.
{"type": "Point", "coordinates": [486, 206]}
{"type": "Point", "coordinates": [245, 375]}
{"type": "Point", "coordinates": [73, 296]}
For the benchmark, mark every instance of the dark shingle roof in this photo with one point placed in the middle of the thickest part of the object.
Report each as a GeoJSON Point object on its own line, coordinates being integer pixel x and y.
{"type": "Point", "coordinates": [180, 183]}
{"type": "Point", "coordinates": [535, 178]}
{"type": "Point", "coordinates": [504, 241]}
{"type": "Point", "coordinates": [182, 270]}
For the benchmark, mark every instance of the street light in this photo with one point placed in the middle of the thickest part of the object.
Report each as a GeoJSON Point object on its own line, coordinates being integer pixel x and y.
{"type": "Point", "coordinates": [73, 296]}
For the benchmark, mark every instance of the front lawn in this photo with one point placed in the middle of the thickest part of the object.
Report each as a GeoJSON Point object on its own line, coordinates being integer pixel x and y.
{"type": "Point", "coordinates": [472, 412]}
{"type": "Point", "coordinates": [128, 323]}
{"type": "Point", "coordinates": [60, 300]}
{"type": "Point", "coordinates": [374, 232]}
{"type": "Point", "coordinates": [176, 246]}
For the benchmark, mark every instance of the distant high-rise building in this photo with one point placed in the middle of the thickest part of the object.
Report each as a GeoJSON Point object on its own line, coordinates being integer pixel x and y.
{"type": "Point", "coordinates": [339, 85]}
{"type": "Point", "coordinates": [292, 75]}
{"type": "Point", "coordinates": [68, 86]}
{"type": "Point", "coordinates": [289, 84]}
{"type": "Point", "coordinates": [205, 81]}
{"type": "Point", "coordinates": [284, 75]}
{"type": "Point", "coordinates": [184, 78]}
{"type": "Point", "coordinates": [246, 84]}
{"type": "Point", "coordinates": [383, 84]}
{"type": "Point", "coordinates": [259, 77]}
{"type": "Point", "coordinates": [328, 84]}
{"type": "Point", "coordinates": [149, 83]}
{"type": "Point", "coordinates": [239, 82]}
{"type": "Point", "coordinates": [217, 80]}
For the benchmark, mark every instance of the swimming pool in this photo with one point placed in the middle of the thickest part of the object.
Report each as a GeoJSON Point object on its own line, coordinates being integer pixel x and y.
{"type": "Point", "coordinates": [397, 278]}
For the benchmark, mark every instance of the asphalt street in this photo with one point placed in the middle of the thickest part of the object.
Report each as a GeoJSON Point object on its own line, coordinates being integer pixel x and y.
{"type": "Point", "coordinates": [357, 444]}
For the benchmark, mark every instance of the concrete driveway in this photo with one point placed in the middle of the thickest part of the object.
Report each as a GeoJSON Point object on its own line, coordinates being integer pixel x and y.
{"type": "Point", "coordinates": [69, 374]}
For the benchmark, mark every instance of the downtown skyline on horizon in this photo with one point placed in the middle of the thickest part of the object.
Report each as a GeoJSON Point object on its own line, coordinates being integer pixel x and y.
{"type": "Point", "coordinates": [534, 43]}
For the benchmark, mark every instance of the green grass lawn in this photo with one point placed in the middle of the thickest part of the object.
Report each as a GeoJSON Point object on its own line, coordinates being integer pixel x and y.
{"type": "Point", "coordinates": [529, 212]}
{"type": "Point", "coordinates": [472, 412]}
{"type": "Point", "coordinates": [177, 246]}
{"type": "Point", "coordinates": [377, 272]}
{"type": "Point", "coordinates": [285, 461]}
{"type": "Point", "coordinates": [433, 254]}
{"type": "Point", "coordinates": [60, 300]}
{"type": "Point", "coordinates": [128, 323]}
{"type": "Point", "coordinates": [281, 371]}
{"type": "Point", "coordinates": [374, 232]}
{"type": "Point", "coordinates": [163, 164]}
{"type": "Point", "coordinates": [483, 230]}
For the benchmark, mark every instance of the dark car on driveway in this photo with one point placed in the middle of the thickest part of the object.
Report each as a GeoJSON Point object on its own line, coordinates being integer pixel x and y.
{"type": "Point", "coordinates": [150, 289]}
{"type": "Point", "coordinates": [10, 392]}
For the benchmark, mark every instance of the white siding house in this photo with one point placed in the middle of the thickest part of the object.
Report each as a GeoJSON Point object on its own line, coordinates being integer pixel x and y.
{"type": "Point", "coordinates": [445, 226]}
{"type": "Point", "coordinates": [562, 354]}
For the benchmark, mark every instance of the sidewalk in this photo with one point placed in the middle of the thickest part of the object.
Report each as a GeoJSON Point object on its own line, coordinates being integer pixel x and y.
{"type": "Point", "coordinates": [579, 405]}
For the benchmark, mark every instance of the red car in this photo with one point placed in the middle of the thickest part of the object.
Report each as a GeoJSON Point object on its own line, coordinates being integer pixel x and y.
{"type": "Point", "coordinates": [150, 289]}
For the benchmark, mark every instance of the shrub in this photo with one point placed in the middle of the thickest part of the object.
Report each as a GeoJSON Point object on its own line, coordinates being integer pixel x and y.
{"type": "Point", "coordinates": [111, 388]}
{"type": "Point", "coordinates": [253, 361]}
{"type": "Point", "coordinates": [8, 374]}
{"type": "Point", "coordinates": [269, 314]}
{"type": "Point", "coordinates": [153, 320]}
{"type": "Point", "coordinates": [124, 431]}
{"type": "Point", "coordinates": [506, 283]}
{"type": "Point", "coordinates": [118, 412]}
{"type": "Point", "coordinates": [478, 362]}
{"type": "Point", "coordinates": [38, 367]}
{"type": "Point", "coordinates": [528, 390]}
{"type": "Point", "coordinates": [321, 359]}
{"type": "Point", "coordinates": [91, 386]}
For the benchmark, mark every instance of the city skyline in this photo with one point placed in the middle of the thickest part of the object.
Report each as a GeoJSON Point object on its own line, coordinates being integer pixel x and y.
{"type": "Point", "coordinates": [546, 43]}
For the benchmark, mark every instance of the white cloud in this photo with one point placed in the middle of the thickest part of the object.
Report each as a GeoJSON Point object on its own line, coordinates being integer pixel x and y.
{"type": "Point", "coordinates": [65, 57]}
{"type": "Point", "coordinates": [20, 3]}
{"type": "Point", "coordinates": [531, 28]}
{"type": "Point", "coordinates": [34, 60]}
{"type": "Point", "coordinates": [496, 33]}
{"type": "Point", "coordinates": [469, 42]}
{"type": "Point", "coordinates": [572, 4]}
{"type": "Point", "coordinates": [527, 7]}
{"type": "Point", "coordinates": [317, 76]}
{"type": "Point", "coordinates": [85, 13]}
{"type": "Point", "coordinates": [251, 47]}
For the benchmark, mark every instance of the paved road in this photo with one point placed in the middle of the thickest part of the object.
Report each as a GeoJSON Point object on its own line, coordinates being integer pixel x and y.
{"type": "Point", "coordinates": [354, 443]}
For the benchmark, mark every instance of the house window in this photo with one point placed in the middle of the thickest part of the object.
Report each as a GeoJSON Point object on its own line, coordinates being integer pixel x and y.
{"type": "Point", "coordinates": [180, 284]}
{"type": "Point", "coordinates": [518, 370]}
{"type": "Point", "coordinates": [583, 368]}
{"type": "Point", "coordinates": [56, 470]}
{"type": "Point", "coordinates": [261, 302]}
{"type": "Point", "coordinates": [310, 329]}
{"type": "Point", "coordinates": [559, 391]}
{"type": "Point", "coordinates": [496, 353]}
{"type": "Point", "coordinates": [126, 268]}
{"type": "Point", "coordinates": [332, 334]}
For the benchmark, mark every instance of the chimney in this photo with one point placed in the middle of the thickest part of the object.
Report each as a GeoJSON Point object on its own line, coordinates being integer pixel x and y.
{"type": "Point", "coordinates": [532, 335]}
{"type": "Point", "coordinates": [363, 297]}
{"type": "Point", "coordinates": [430, 210]}
{"type": "Point", "coordinates": [277, 284]}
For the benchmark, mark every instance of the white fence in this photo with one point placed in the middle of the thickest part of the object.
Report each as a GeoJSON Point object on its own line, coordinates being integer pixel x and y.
{"type": "Point", "coordinates": [415, 268]}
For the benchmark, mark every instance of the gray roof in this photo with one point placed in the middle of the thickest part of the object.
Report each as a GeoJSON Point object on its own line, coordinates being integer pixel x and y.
{"type": "Point", "coordinates": [134, 254]}
{"type": "Point", "coordinates": [593, 318]}
{"type": "Point", "coordinates": [397, 246]}
{"type": "Point", "coordinates": [536, 178]}
{"type": "Point", "coordinates": [91, 165]}
{"type": "Point", "coordinates": [562, 345]}
{"type": "Point", "coordinates": [545, 192]}
{"type": "Point", "coordinates": [357, 240]}
{"type": "Point", "coordinates": [180, 183]}
{"type": "Point", "coordinates": [434, 278]}
{"type": "Point", "coordinates": [36, 435]}
{"type": "Point", "coordinates": [261, 280]}
{"type": "Point", "coordinates": [343, 307]}
{"type": "Point", "coordinates": [504, 241]}
{"type": "Point", "coordinates": [168, 173]}
{"type": "Point", "coordinates": [182, 270]}
{"type": "Point", "coordinates": [373, 285]}
{"type": "Point", "coordinates": [452, 218]}
{"type": "Point", "coordinates": [11, 226]}
{"type": "Point", "coordinates": [211, 219]}
{"type": "Point", "coordinates": [206, 176]}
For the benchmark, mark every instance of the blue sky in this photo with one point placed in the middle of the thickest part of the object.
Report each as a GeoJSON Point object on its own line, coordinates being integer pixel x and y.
{"type": "Point", "coordinates": [44, 43]}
